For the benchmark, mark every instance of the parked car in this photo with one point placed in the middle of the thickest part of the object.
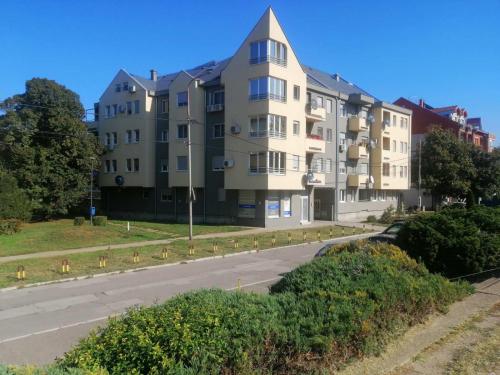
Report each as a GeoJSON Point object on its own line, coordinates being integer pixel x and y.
{"type": "Point", "coordinates": [321, 252]}
{"type": "Point", "coordinates": [389, 234]}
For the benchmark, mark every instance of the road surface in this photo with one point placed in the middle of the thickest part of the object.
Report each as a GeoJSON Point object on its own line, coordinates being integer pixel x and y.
{"type": "Point", "coordinates": [38, 324]}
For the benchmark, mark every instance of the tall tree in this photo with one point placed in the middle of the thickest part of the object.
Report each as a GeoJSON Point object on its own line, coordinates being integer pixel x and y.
{"type": "Point", "coordinates": [486, 182]}
{"type": "Point", "coordinates": [46, 146]}
{"type": "Point", "coordinates": [447, 166]}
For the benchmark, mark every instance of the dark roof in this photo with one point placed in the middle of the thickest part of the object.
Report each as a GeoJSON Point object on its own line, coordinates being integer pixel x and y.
{"type": "Point", "coordinates": [444, 109]}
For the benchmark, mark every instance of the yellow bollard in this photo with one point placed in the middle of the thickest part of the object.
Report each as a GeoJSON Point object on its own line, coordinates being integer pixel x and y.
{"type": "Point", "coordinates": [191, 248]}
{"type": "Point", "coordinates": [21, 273]}
{"type": "Point", "coordinates": [135, 257]}
{"type": "Point", "coordinates": [289, 238]}
{"type": "Point", "coordinates": [236, 244]}
{"type": "Point", "coordinates": [255, 243]}
{"type": "Point", "coordinates": [65, 266]}
{"type": "Point", "coordinates": [273, 241]}
{"type": "Point", "coordinates": [102, 261]}
{"type": "Point", "coordinates": [343, 231]}
{"type": "Point", "coordinates": [331, 233]}
{"type": "Point", "coordinates": [164, 253]}
{"type": "Point", "coordinates": [215, 247]}
{"type": "Point", "coordinates": [304, 236]}
{"type": "Point", "coordinates": [319, 235]}
{"type": "Point", "coordinates": [238, 284]}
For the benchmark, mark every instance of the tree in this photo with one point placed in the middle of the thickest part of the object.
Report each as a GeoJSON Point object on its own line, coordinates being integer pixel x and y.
{"type": "Point", "coordinates": [15, 202]}
{"type": "Point", "coordinates": [486, 182]}
{"type": "Point", "coordinates": [46, 146]}
{"type": "Point", "coordinates": [447, 166]}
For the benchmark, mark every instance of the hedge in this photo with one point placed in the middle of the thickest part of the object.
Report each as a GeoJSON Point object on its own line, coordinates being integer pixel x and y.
{"type": "Point", "coordinates": [100, 220]}
{"type": "Point", "coordinates": [320, 315]}
{"type": "Point", "coordinates": [79, 220]}
{"type": "Point", "coordinates": [10, 226]}
{"type": "Point", "coordinates": [51, 370]}
{"type": "Point", "coordinates": [454, 242]}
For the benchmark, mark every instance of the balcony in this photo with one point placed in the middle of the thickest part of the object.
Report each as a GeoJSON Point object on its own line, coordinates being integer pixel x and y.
{"type": "Point", "coordinates": [215, 107]}
{"type": "Point", "coordinates": [357, 124]}
{"type": "Point", "coordinates": [314, 178]}
{"type": "Point", "coordinates": [357, 152]}
{"type": "Point", "coordinates": [315, 113]}
{"type": "Point", "coordinates": [315, 144]}
{"type": "Point", "coordinates": [357, 180]}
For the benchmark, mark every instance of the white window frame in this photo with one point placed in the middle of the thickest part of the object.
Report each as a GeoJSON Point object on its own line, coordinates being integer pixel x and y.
{"type": "Point", "coordinates": [342, 194]}
{"type": "Point", "coordinates": [163, 165]}
{"type": "Point", "coordinates": [180, 100]}
{"type": "Point", "coordinates": [296, 128]}
{"type": "Point", "coordinates": [177, 163]}
{"type": "Point", "coordinates": [214, 131]}
{"type": "Point", "coordinates": [164, 106]}
{"type": "Point", "coordinates": [329, 165]}
{"type": "Point", "coordinates": [295, 162]}
{"type": "Point", "coordinates": [218, 159]}
{"type": "Point", "coordinates": [164, 136]}
{"type": "Point", "coordinates": [329, 105]}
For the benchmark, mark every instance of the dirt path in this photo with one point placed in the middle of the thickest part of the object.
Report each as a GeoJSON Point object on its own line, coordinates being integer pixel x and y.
{"type": "Point", "coordinates": [465, 341]}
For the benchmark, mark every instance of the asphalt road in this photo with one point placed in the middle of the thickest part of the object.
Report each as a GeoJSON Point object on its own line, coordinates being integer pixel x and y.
{"type": "Point", "coordinates": [38, 324]}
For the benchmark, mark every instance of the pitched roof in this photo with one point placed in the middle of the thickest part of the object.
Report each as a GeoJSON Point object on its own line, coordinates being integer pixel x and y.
{"type": "Point", "coordinates": [444, 109]}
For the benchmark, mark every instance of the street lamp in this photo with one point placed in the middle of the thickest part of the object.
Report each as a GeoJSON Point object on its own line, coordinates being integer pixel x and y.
{"type": "Point", "coordinates": [91, 212]}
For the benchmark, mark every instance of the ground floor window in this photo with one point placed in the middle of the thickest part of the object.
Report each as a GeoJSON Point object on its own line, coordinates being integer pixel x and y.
{"type": "Point", "coordinates": [363, 195]}
{"type": "Point", "coordinates": [246, 204]}
{"type": "Point", "coordinates": [166, 195]}
{"type": "Point", "coordinates": [221, 195]}
{"type": "Point", "coordinates": [287, 204]}
{"type": "Point", "coordinates": [273, 205]}
{"type": "Point", "coordinates": [351, 195]}
{"type": "Point", "coordinates": [341, 195]}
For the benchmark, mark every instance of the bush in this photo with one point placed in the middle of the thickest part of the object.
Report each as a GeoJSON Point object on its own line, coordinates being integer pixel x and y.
{"type": "Point", "coordinates": [79, 220]}
{"type": "Point", "coordinates": [15, 203]}
{"type": "Point", "coordinates": [388, 215]}
{"type": "Point", "coordinates": [51, 370]}
{"type": "Point", "coordinates": [454, 242]}
{"type": "Point", "coordinates": [371, 219]}
{"type": "Point", "coordinates": [326, 312]}
{"type": "Point", "coordinates": [10, 226]}
{"type": "Point", "coordinates": [100, 221]}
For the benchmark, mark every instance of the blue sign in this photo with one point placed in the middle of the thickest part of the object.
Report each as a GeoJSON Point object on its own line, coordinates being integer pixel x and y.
{"type": "Point", "coordinates": [92, 211]}
{"type": "Point", "coordinates": [247, 205]}
{"type": "Point", "coordinates": [273, 206]}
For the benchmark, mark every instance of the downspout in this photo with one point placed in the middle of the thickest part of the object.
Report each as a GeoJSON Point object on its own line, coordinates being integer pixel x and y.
{"type": "Point", "coordinates": [156, 157]}
{"type": "Point", "coordinates": [205, 158]}
{"type": "Point", "coordinates": [337, 161]}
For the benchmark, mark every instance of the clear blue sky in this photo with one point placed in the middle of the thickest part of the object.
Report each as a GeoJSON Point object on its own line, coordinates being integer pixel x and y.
{"type": "Point", "coordinates": [447, 52]}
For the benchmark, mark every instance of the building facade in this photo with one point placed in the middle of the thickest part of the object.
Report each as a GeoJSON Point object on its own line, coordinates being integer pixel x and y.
{"type": "Point", "coordinates": [274, 142]}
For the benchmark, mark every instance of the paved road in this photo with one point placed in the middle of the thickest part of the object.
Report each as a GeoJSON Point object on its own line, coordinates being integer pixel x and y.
{"type": "Point", "coordinates": [40, 323]}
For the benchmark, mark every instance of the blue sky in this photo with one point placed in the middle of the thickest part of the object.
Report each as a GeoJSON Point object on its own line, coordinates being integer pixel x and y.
{"type": "Point", "coordinates": [447, 52]}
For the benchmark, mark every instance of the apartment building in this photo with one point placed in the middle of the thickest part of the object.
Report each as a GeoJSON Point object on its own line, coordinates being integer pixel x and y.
{"type": "Point", "coordinates": [274, 142]}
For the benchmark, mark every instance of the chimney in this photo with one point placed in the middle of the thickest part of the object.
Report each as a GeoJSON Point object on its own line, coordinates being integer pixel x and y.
{"type": "Point", "coordinates": [421, 103]}
{"type": "Point", "coordinates": [336, 76]}
{"type": "Point", "coordinates": [154, 75]}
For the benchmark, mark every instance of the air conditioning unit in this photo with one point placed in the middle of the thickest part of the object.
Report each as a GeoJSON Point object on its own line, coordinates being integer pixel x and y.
{"type": "Point", "coordinates": [132, 89]}
{"type": "Point", "coordinates": [235, 129]}
{"type": "Point", "coordinates": [314, 104]}
{"type": "Point", "coordinates": [341, 148]}
{"type": "Point", "coordinates": [228, 163]}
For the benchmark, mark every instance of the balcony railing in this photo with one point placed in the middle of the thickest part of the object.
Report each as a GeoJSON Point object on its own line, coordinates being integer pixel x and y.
{"type": "Point", "coordinates": [265, 96]}
{"type": "Point", "coordinates": [315, 113]}
{"type": "Point", "coordinates": [215, 107]}
{"type": "Point", "coordinates": [267, 133]}
{"type": "Point", "coordinates": [268, 58]}
{"type": "Point", "coordinates": [267, 170]}
{"type": "Point", "coordinates": [357, 124]}
{"type": "Point", "coordinates": [315, 143]}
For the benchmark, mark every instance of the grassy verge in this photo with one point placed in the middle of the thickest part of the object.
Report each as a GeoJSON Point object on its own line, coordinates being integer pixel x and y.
{"type": "Point", "coordinates": [49, 269]}
{"type": "Point", "coordinates": [62, 235]}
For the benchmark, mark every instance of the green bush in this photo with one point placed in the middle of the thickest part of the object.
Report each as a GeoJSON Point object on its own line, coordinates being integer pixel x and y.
{"type": "Point", "coordinates": [15, 204]}
{"type": "Point", "coordinates": [388, 215]}
{"type": "Point", "coordinates": [79, 220]}
{"type": "Point", "coordinates": [371, 219]}
{"type": "Point", "coordinates": [454, 242]}
{"type": "Point", "coordinates": [322, 314]}
{"type": "Point", "coordinates": [100, 220]}
{"type": "Point", "coordinates": [51, 370]}
{"type": "Point", "coordinates": [10, 226]}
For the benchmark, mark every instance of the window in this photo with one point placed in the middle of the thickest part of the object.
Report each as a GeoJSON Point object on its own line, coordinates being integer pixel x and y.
{"type": "Point", "coordinates": [405, 147]}
{"type": "Point", "coordinates": [373, 195]}
{"type": "Point", "coordinates": [128, 136]}
{"type": "Point", "coordinates": [351, 195]}
{"type": "Point", "coordinates": [273, 205]}
{"type": "Point", "coordinates": [163, 165]}
{"type": "Point", "coordinates": [394, 120]}
{"type": "Point", "coordinates": [137, 136]}
{"type": "Point", "coordinates": [363, 169]}
{"type": "Point", "coordinates": [320, 132]}
{"type": "Point", "coordinates": [386, 169]}
{"type": "Point", "coordinates": [268, 126]}
{"type": "Point", "coordinates": [341, 195]}
{"type": "Point", "coordinates": [318, 165]}
{"type": "Point", "coordinates": [295, 162]}
{"type": "Point", "coordinates": [382, 195]}
{"type": "Point", "coordinates": [136, 165]}
{"type": "Point", "coordinates": [182, 131]}
{"type": "Point", "coordinates": [394, 171]}
{"type": "Point", "coordinates": [182, 99]}
{"type": "Point", "coordinates": [329, 135]}
{"type": "Point", "coordinates": [132, 165]}
{"type": "Point", "coordinates": [268, 51]}
{"type": "Point", "coordinates": [129, 108]}
{"type": "Point", "coordinates": [386, 143]}
{"type": "Point", "coordinates": [221, 195]}
{"type": "Point", "coordinates": [405, 170]}
{"type": "Point", "coordinates": [166, 195]}
{"type": "Point", "coordinates": [296, 128]}
{"type": "Point", "coordinates": [401, 147]}
{"type": "Point", "coordinates": [329, 106]}
{"type": "Point", "coordinates": [107, 140]}
{"type": "Point", "coordinates": [216, 97]}
{"type": "Point", "coordinates": [164, 136]}
{"type": "Point", "coordinates": [129, 165]}
{"type": "Point", "coordinates": [115, 109]}
{"type": "Point", "coordinates": [271, 162]}
{"type": "Point", "coordinates": [401, 171]}
{"type": "Point", "coordinates": [342, 139]}
{"type": "Point", "coordinates": [394, 145]}
{"type": "Point", "coordinates": [287, 204]}
{"type": "Point", "coordinates": [319, 101]}
{"type": "Point", "coordinates": [136, 106]}
{"type": "Point", "coordinates": [296, 92]}
{"type": "Point", "coordinates": [363, 195]}
{"type": "Point", "coordinates": [267, 88]}
{"type": "Point", "coordinates": [125, 86]}
{"type": "Point", "coordinates": [182, 163]}
{"type": "Point", "coordinates": [107, 166]}
{"type": "Point", "coordinates": [402, 123]}
{"type": "Point", "coordinates": [342, 169]}
{"type": "Point", "coordinates": [218, 163]}
{"type": "Point", "coordinates": [329, 165]}
{"type": "Point", "coordinates": [164, 106]}
{"type": "Point", "coordinates": [108, 111]}
{"type": "Point", "coordinates": [115, 138]}
{"type": "Point", "coordinates": [218, 131]}
{"type": "Point", "coordinates": [118, 87]}
{"type": "Point", "coordinates": [343, 110]}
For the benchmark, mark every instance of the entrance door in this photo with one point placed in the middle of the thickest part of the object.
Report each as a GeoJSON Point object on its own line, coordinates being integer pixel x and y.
{"type": "Point", "coordinates": [305, 209]}
{"type": "Point", "coordinates": [317, 209]}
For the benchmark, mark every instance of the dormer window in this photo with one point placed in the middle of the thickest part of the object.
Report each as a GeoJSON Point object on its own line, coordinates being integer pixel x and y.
{"type": "Point", "coordinates": [268, 51]}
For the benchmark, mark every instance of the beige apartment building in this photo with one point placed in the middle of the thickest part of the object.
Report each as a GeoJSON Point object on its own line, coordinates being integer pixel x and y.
{"type": "Point", "coordinates": [274, 142]}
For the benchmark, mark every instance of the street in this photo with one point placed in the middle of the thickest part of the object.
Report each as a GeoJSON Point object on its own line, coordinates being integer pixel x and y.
{"type": "Point", "coordinates": [37, 324]}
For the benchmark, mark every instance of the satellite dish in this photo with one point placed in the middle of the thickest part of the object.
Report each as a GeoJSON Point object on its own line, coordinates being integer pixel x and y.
{"type": "Point", "coordinates": [371, 119]}
{"type": "Point", "coordinates": [119, 180]}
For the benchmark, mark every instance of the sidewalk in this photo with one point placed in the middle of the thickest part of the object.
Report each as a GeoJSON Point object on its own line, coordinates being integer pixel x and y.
{"type": "Point", "coordinates": [48, 254]}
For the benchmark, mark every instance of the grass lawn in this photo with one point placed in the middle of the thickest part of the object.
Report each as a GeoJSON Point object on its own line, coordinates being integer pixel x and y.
{"type": "Point", "coordinates": [47, 269]}
{"type": "Point", "coordinates": [62, 234]}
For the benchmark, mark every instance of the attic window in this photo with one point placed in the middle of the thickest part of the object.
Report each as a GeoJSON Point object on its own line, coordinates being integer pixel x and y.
{"type": "Point", "coordinates": [268, 51]}
{"type": "Point", "coordinates": [118, 87]}
{"type": "Point", "coordinates": [125, 86]}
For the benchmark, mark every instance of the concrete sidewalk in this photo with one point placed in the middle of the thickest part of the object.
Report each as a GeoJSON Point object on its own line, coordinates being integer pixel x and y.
{"type": "Point", "coordinates": [49, 254]}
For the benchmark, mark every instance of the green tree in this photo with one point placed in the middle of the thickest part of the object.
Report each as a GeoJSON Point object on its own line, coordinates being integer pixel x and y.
{"type": "Point", "coordinates": [447, 166]}
{"type": "Point", "coordinates": [46, 146]}
{"type": "Point", "coordinates": [486, 182]}
{"type": "Point", "coordinates": [15, 202]}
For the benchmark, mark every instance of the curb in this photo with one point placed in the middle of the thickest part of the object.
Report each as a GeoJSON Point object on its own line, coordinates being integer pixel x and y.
{"type": "Point", "coordinates": [245, 252]}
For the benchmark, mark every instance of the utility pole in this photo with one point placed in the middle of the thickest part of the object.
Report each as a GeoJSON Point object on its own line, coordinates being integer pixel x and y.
{"type": "Point", "coordinates": [91, 189]}
{"type": "Point", "coordinates": [419, 173]}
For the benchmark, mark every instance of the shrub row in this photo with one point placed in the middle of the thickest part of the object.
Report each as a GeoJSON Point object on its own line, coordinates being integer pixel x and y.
{"type": "Point", "coordinates": [10, 226]}
{"type": "Point", "coordinates": [52, 370]}
{"type": "Point", "coordinates": [97, 220]}
{"type": "Point", "coordinates": [454, 241]}
{"type": "Point", "coordinates": [322, 314]}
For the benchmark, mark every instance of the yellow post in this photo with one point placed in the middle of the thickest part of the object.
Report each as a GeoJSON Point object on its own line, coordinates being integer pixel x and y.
{"type": "Point", "coordinates": [164, 253]}
{"type": "Point", "coordinates": [331, 233]}
{"type": "Point", "coordinates": [101, 265]}
{"type": "Point", "coordinates": [289, 238]}
{"type": "Point", "coordinates": [255, 243]}
{"type": "Point", "coordinates": [21, 274]}
{"type": "Point", "coordinates": [273, 240]}
{"type": "Point", "coordinates": [343, 231]}
{"type": "Point", "coordinates": [304, 236]}
{"type": "Point", "coordinates": [191, 248]}
{"type": "Point", "coordinates": [238, 284]}
{"type": "Point", "coordinates": [319, 235]}
{"type": "Point", "coordinates": [215, 247]}
{"type": "Point", "coordinates": [236, 244]}
{"type": "Point", "coordinates": [136, 257]}
{"type": "Point", "coordinates": [65, 266]}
